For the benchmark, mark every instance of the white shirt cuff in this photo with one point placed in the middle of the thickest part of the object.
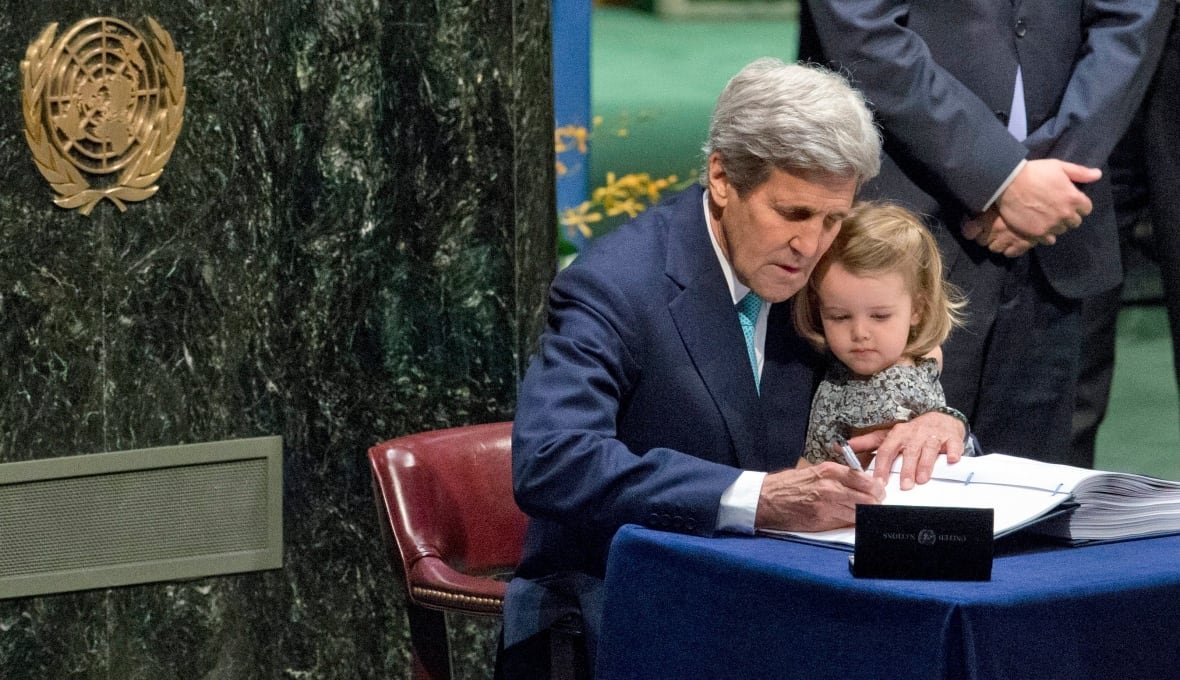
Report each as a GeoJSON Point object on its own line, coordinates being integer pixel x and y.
{"type": "Point", "coordinates": [739, 503]}
{"type": "Point", "coordinates": [1011, 176]}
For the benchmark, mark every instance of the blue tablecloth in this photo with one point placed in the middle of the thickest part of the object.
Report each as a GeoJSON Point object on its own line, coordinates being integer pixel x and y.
{"type": "Point", "coordinates": [752, 607]}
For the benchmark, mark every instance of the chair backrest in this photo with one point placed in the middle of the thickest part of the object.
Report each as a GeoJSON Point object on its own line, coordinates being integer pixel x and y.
{"type": "Point", "coordinates": [447, 496]}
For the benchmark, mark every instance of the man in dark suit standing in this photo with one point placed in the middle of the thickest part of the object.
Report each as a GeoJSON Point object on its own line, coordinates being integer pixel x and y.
{"type": "Point", "coordinates": [998, 115]}
{"type": "Point", "coordinates": [1145, 168]}
{"type": "Point", "coordinates": [649, 402]}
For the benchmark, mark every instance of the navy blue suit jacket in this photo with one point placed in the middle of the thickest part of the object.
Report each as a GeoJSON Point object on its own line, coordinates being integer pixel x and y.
{"type": "Point", "coordinates": [640, 405]}
{"type": "Point", "coordinates": [940, 75]}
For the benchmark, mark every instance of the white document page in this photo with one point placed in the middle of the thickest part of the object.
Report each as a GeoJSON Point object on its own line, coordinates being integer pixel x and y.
{"type": "Point", "coordinates": [1018, 493]}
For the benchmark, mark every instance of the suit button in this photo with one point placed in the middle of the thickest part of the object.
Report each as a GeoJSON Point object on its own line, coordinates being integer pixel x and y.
{"type": "Point", "coordinates": [1021, 28]}
{"type": "Point", "coordinates": [1003, 116]}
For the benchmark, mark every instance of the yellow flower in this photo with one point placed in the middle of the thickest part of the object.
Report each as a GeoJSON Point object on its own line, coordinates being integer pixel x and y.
{"type": "Point", "coordinates": [628, 205]}
{"type": "Point", "coordinates": [580, 218]}
{"type": "Point", "coordinates": [565, 134]}
{"type": "Point", "coordinates": [629, 194]}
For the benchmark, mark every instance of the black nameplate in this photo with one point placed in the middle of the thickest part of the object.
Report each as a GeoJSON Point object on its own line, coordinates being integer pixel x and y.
{"type": "Point", "coordinates": [912, 542]}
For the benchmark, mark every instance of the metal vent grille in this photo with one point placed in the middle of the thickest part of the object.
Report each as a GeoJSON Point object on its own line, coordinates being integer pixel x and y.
{"type": "Point", "coordinates": [137, 516]}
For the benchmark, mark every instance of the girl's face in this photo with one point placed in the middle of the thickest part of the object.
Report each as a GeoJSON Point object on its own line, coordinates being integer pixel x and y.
{"type": "Point", "coordinates": [866, 319]}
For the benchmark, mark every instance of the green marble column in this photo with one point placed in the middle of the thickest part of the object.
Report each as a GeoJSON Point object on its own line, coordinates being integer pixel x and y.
{"type": "Point", "coordinates": [352, 241]}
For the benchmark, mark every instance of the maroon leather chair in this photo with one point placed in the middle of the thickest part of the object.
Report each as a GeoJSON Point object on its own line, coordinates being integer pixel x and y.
{"type": "Point", "coordinates": [451, 527]}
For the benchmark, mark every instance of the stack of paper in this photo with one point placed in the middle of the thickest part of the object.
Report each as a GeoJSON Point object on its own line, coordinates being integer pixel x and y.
{"type": "Point", "coordinates": [1023, 492]}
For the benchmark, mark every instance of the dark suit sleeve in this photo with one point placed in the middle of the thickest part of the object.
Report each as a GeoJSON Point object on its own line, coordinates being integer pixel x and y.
{"type": "Point", "coordinates": [1124, 39]}
{"type": "Point", "coordinates": [569, 464]}
{"type": "Point", "coordinates": [943, 129]}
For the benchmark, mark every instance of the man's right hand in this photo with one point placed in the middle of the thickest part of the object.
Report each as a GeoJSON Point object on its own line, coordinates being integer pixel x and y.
{"type": "Point", "coordinates": [815, 498]}
{"type": "Point", "coordinates": [1043, 200]}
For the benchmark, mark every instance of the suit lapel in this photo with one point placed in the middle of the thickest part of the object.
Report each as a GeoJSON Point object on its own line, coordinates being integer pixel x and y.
{"type": "Point", "coordinates": [788, 381]}
{"type": "Point", "coordinates": [708, 325]}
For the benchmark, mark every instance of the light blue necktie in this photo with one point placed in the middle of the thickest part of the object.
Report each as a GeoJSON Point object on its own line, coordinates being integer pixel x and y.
{"type": "Point", "coordinates": [747, 309]}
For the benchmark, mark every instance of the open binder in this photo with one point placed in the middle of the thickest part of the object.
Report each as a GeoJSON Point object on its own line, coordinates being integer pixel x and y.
{"type": "Point", "coordinates": [1074, 504]}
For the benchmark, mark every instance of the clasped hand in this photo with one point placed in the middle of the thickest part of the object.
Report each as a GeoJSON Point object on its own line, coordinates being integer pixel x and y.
{"type": "Point", "coordinates": [1041, 203]}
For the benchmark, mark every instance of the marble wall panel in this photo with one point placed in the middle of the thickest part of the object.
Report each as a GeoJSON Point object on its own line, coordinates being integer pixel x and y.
{"type": "Point", "coordinates": [352, 241]}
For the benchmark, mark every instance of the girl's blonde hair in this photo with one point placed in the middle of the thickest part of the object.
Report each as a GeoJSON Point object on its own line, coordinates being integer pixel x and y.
{"type": "Point", "coordinates": [878, 238]}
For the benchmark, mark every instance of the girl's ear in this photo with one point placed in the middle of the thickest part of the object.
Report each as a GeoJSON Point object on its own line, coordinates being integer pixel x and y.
{"type": "Point", "coordinates": [919, 308]}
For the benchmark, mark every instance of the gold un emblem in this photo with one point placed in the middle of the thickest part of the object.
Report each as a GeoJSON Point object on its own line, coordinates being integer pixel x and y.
{"type": "Point", "coordinates": [102, 100]}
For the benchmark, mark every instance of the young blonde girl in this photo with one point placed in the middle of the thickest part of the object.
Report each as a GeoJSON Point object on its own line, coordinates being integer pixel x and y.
{"type": "Point", "coordinates": [878, 303]}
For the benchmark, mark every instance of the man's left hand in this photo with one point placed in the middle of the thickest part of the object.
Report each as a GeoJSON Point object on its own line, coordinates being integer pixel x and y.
{"type": "Point", "coordinates": [919, 442]}
{"type": "Point", "coordinates": [990, 231]}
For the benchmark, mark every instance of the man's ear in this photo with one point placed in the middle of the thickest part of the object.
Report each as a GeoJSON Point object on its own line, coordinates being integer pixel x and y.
{"type": "Point", "coordinates": [719, 187]}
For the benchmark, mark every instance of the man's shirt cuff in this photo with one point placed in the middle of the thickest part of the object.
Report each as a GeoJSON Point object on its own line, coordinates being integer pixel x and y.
{"type": "Point", "coordinates": [1008, 182]}
{"type": "Point", "coordinates": [739, 503]}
